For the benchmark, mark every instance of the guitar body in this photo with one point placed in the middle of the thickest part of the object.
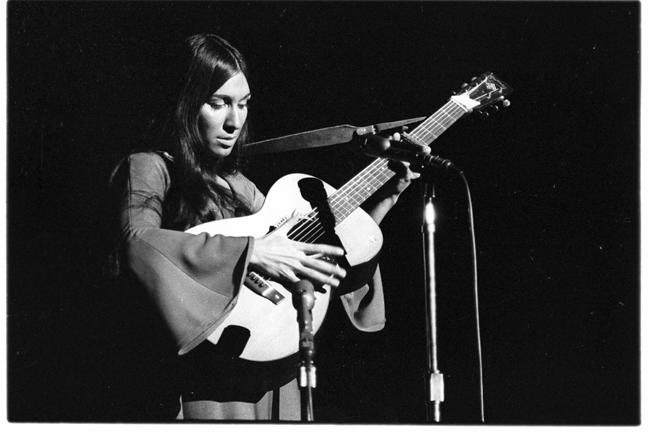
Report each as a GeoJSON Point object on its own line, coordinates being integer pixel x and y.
{"type": "Point", "coordinates": [269, 321]}
{"type": "Point", "coordinates": [273, 328]}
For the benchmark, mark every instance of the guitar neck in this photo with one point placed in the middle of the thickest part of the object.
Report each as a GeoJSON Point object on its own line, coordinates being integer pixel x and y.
{"type": "Point", "coordinates": [357, 190]}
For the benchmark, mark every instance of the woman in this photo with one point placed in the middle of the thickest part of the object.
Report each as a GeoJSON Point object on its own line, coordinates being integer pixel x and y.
{"type": "Point", "coordinates": [193, 280]}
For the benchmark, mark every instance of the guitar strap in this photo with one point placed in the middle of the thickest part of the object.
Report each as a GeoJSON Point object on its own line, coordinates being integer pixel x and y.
{"type": "Point", "coordinates": [328, 136]}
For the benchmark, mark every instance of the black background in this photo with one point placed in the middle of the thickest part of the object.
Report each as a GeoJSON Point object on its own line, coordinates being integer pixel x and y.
{"type": "Point", "coordinates": [554, 180]}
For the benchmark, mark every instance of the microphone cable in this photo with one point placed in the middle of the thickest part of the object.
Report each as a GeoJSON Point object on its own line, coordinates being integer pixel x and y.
{"type": "Point", "coordinates": [449, 166]}
{"type": "Point", "coordinates": [475, 291]}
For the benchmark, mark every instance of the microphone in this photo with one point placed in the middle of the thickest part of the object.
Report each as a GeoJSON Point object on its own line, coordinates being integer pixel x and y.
{"type": "Point", "coordinates": [436, 161]}
{"type": "Point", "coordinates": [303, 297]}
{"type": "Point", "coordinates": [303, 301]}
{"type": "Point", "coordinates": [405, 150]}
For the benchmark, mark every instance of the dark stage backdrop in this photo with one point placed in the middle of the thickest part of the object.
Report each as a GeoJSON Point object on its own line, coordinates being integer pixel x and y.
{"type": "Point", "coordinates": [554, 180]}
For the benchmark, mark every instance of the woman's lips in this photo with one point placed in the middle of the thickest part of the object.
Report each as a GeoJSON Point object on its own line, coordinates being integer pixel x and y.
{"type": "Point", "coordinates": [227, 141]}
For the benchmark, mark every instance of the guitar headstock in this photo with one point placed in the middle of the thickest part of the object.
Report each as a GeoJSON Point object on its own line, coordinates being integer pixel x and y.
{"type": "Point", "coordinates": [482, 91]}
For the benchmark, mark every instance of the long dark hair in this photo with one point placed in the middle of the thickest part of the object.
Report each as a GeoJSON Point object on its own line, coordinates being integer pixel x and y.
{"type": "Point", "coordinates": [194, 195]}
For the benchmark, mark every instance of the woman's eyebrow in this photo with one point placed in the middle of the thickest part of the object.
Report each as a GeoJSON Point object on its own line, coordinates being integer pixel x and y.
{"type": "Point", "coordinates": [228, 97]}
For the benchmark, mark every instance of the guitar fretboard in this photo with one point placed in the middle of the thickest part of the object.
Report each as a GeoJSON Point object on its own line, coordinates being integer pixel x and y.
{"type": "Point", "coordinates": [353, 193]}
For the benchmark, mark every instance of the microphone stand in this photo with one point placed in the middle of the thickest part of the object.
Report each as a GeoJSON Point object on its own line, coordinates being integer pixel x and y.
{"type": "Point", "coordinates": [435, 382]}
{"type": "Point", "coordinates": [303, 300]}
{"type": "Point", "coordinates": [408, 149]}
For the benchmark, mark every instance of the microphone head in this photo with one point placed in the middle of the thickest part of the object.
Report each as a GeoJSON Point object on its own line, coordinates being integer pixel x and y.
{"type": "Point", "coordinates": [303, 291]}
{"type": "Point", "coordinates": [437, 161]}
{"type": "Point", "coordinates": [303, 285]}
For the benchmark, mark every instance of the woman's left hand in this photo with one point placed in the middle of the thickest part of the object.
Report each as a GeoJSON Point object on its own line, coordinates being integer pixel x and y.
{"type": "Point", "coordinates": [387, 196]}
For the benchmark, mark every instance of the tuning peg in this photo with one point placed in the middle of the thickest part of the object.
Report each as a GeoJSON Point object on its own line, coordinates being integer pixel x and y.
{"type": "Point", "coordinates": [464, 85]}
{"type": "Point", "coordinates": [505, 102]}
{"type": "Point", "coordinates": [495, 107]}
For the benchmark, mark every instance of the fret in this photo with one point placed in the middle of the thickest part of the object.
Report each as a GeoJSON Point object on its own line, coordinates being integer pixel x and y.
{"type": "Point", "coordinates": [356, 191]}
{"type": "Point", "coordinates": [436, 124]}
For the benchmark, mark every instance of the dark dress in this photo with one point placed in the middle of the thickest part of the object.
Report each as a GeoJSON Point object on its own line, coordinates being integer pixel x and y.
{"type": "Point", "coordinates": [192, 281]}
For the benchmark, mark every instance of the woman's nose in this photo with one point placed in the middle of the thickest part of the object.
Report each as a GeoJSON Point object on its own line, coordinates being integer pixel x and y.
{"type": "Point", "coordinates": [234, 119]}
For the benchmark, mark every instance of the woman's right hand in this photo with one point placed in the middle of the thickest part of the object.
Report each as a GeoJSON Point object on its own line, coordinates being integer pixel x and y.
{"type": "Point", "coordinates": [286, 260]}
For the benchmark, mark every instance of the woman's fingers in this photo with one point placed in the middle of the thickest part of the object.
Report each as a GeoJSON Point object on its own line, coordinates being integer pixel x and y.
{"type": "Point", "coordinates": [289, 260]}
{"type": "Point", "coordinates": [411, 175]}
{"type": "Point", "coordinates": [318, 269]}
{"type": "Point", "coordinates": [320, 277]}
{"type": "Point", "coordinates": [325, 267]}
{"type": "Point", "coordinates": [320, 248]}
{"type": "Point", "coordinates": [291, 276]}
{"type": "Point", "coordinates": [403, 171]}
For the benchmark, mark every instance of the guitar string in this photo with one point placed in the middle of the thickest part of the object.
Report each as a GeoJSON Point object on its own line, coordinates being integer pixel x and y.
{"type": "Point", "coordinates": [371, 170]}
{"type": "Point", "coordinates": [414, 132]}
{"type": "Point", "coordinates": [442, 119]}
{"type": "Point", "coordinates": [319, 232]}
{"type": "Point", "coordinates": [341, 195]}
{"type": "Point", "coordinates": [450, 120]}
{"type": "Point", "coordinates": [450, 112]}
{"type": "Point", "coordinates": [452, 108]}
{"type": "Point", "coordinates": [341, 200]}
{"type": "Point", "coordinates": [443, 123]}
{"type": "Point", "coordinates": [310, 235]}
{"type": "Point", "coordinates": [432, 121]}
{"type": "Point", "coordinates": [311, 229]}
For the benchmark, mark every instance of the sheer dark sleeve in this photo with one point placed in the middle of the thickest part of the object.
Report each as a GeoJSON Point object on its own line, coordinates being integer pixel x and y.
{"type": "Point", "coordinates": [193, 280]}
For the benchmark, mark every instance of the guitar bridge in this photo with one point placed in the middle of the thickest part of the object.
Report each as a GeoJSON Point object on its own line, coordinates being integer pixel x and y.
{"type": "Point", "coordinates": [258, 285]}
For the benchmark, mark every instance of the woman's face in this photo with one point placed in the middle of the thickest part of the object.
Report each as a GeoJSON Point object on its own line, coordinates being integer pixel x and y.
{"type": "Point", "coordinates": [221, 118]}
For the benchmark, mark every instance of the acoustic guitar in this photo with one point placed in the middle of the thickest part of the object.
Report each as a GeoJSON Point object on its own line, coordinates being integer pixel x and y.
{"type": "Point", "coordinates": [264, 313]}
